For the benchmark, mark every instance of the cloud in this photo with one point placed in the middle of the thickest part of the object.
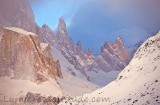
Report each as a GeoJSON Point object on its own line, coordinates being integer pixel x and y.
{"type": "Point", "coordinates": [95, 21]}
{"type": "Point", "coordinates": [49, 11]}
{"type": "Point", "coordinates": [98, 19]}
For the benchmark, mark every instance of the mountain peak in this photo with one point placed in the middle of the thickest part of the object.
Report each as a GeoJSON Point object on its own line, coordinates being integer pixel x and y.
{"type": "Point", "coordinates": [89, 53]}
{"type": "Point", "coordinates": [79, 46]}
{"type": "Point", "coordinates": [140, 78]}
{"type": "Point", "coordinates": [62, 24]}
{"type": "Point", "coordinates": [62, 33]}
{"type": "Point", "coordinates": [79, 43]}
{"type": "Point", "coordinates": [61, 20]}
{"type": "Point", "coordinates": [47, 29]}
{"type": "Point", "coordinates": [44, 26]}
{"type": "Point", "coordinates": [119, 39]}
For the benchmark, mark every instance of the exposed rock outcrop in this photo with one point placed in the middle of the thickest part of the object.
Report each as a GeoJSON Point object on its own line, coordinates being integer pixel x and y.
{"type": "Point", "coordinates": [113, 56]}
{"type": "Point", "coordinates": [137, 84]}
{"type": "Point", "coordinates": [21, 15]}
{"type": "Point", "coordinates": [111, 53]}
{"type": "Point", "coordinates": [47, 35]}
{"type": "Point", "coordinates": [89, 53]}
{"type": "Point", "coordinates": [22, 56]}
{"type": "Point", "coordinates": [78, 48]}
{"type": "Point", "coordinates": [17, 13]}
{"type": "Point", "coordinates": [120, 49]}
{"type": "Point", "coordinates": [62, 36]}
{"type": "Point", "coordinates": [58, 69]}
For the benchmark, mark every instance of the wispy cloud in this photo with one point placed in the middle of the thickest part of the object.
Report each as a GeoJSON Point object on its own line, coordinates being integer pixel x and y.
{"type": "Point", "coordinates": [49, 11]}
{"type": "Point", "coordinates": [94, 21]}
{"type": "Point", "coordinates": [98, 19]}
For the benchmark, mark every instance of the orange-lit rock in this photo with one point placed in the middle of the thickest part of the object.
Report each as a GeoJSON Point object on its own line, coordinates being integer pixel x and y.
{"type": "Point", "coordinates": [115, 54]}
{"type": "Point", "coordinates": [22, 56]}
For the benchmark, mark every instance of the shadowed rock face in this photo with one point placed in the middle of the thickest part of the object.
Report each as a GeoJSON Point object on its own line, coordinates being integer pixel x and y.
{"type": "Point", "coordinates": [137, 84]}
{"type": "Point", "coordinates": [22, 56]}
{"type": "Point", "coordinates": [62, 35]}
{"type": "Point", "coordinates": [58, 69]}
{"type": "Point", "coordinates": [113, 55]}
{"type": "Point", "coordinates": [17, 13]}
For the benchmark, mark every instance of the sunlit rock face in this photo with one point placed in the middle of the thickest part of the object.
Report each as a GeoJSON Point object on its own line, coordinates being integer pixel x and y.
{"type": "Point", "coordinates": [114, 54]}
{"type": "Point", "coordinates": [22, 56]}
{"type": "Point", "coordinates": [121, 50]}
{"type": "Point", "coordinates": [137, 84]}
{"type": "Point", "coordinates": [18, 13]}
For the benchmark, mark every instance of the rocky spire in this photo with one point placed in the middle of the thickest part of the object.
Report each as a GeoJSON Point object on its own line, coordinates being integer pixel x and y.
{"type": "Point", "coordinates": [89, 53]}
{"type": "Point", "coordinates": [109, 47]}
{"type": "Point", "coordinates": [48, 35]}
{"type": "Point", "coordinates": [19, 14]}
{"type": "Point", "coordinates": [119, 41]}
{"type": "Point", "coordinates": [115, 54]}
{"type": "Point", "coordinates": [58, 69]}
{"type": "Point", "coordinates": [62, 33]}
{"type": "Point", "coordinates": [47, 29]}
{"type": "Point", "coordinates": [123, 54]}
{"type": "Point", "coordinates": [78, 47]}
{"type": "Point", "coordinates": [116, 48]}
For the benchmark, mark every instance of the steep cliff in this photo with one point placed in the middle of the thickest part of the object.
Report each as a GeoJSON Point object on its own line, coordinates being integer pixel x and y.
{"type": "Point", "coordinates": [115, 54]}
{"type": "Point", "coordinates": [17, 13]}
{"type": "Point", "coordinates": [22, 56]}
{"type": "Point", "coordinates": [137, 84]}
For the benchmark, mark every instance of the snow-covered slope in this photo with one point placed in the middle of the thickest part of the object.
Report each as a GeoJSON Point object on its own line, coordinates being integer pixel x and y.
{"type": "Point", "coordinates": [72, 61]}
{"type": "Point", "coordinates": [102, 78]}
{"type": "Point", "coordinates": [137, 84]}
{"type": "Point", "coordinates": [47, 82]}
{"type": "Point", "coordinates": [75, 62]}
{"type": "Point", "coordinates": [113, 57]}
{"type": "Point", "coordinates": [11, 88]}
{"type": "Point", "coordinates": [26, 65]}
{"type": "Point", "coordinates": [73, 82]}
{"type": "Point", "coordinates": [20, 15]}
{"type": "Point", "coordinates": [23, 56]}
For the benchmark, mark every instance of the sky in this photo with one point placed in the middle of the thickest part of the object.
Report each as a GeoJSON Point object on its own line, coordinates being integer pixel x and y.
{"type": "Point", "coordinates": [95, 21]}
